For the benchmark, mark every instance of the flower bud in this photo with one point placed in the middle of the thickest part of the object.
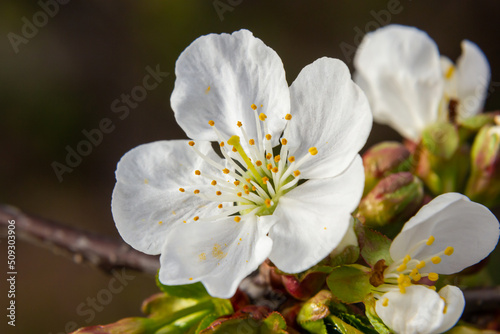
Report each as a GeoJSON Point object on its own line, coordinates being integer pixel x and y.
{"type": "Point", "coordinates": [483, 185]}
{"type": "Point", "coordinates": [394, 199]}
{"type": "Point", "coordinates": [384, 159]}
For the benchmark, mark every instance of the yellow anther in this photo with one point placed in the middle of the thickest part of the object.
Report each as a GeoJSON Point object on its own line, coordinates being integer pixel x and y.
{"type": "Point", "coordinates": [313, 150]}
{"type": "Point", "coordinates": [196, 191]}
{"type": "Point", "coordinates": [402, 267]}
{"type": "Point", "coordinates": [182, 190]}
{"type": "Point", "coordinates": [239, 124]}
{"type": "Point", "coordinates": [211, 123]}
{"type": "Point", "coordinates": [288, 117]}
{"type": "Point", "coordinates": [237, 219]}
{"type": "Point", "coordinates": [196, 218]}
{"type": "Point", "coordinates": [218, 193]}
{"type": "Point", "coordinates": [296, 173]}
{"type": "Point", "coordinates": [445, 309]}
{"type": "Point", "coordinates": [225, 171]}
{"type": "Point", "coordinates": [436, 259]}
{"type": "Point", "coordinates": [269, 166]}
{"type": "Point", "coordinates": [220, 206]}
{"type": "Point", "coordinates": [239, 194]}
{"type": "Point", "coordinates": [254, 188]}
{"type": "Point", "coordinates": [235, 142]}
{"type": "Point", "coordinates": [247, 192]}
{"type": "Point", "coordinates": [258, 163]}
{"type": "Point", "coordinates": [433, 277]}
{"type": "Point", "coordinates": [251, 142]}
{"type": "Point", "coordinates": [236, 183]}
{"type": "Point", "coordinates": [407, 258]}
{"type": "Point", "coordinates": [221, 144]}
{"type": "Point", "coordinates": [261, 105]}
{"type": "Point", "coordinates": [160, 222]}
{"type": "Point", "coordinates": [291, 159]}
{"type": "Point", "coordinates": [253, 106]}
{"type": "Point", "coordinates": [449, 72]}
{"type": "Point", "coordinates": [284, 141]}
{"type": "Point", "coordinates": [277, 158]}
{"type": "Point", "coordinates": [402, 289]}
{"type": "Point", "coordinates": [191, 143]}
{"type": "Point", "coordinates": [430, 241]}
{"type": "Point", "coordinates": [274, 169]}
{"type": "Point", "coordinates": [245, 186]}
{"type": "Point", "coordinates": [417, 277]}
{"type": "Point", "coordinates": [184, 222]}
{"type": "Point", "coordinates": [420, 265]}
{"type": "Point", "coordinates": [207, 90]}
{"type": "Point", "coordinates": [197, 172]}
{"type": "Point", "coordinates": [190, 278]}
{"type": "Point", "coordinates": [262, 116]}
{"type": "Point", "coordinates": [385, 302]}
{"type": "Point", "coordinates": [265, 179]}
{"type": "Point", "coordinates": [449, 250]}
{"type": "Point", "coordinates": [248, 180]}
{"type": "Point", "coordinates": [269, 156]}
{"type": "Point", "coordinates": [268, 136]}
{"type": "Point", "coordinates": [268, 202]}
{"type": "Point", "coordinates": [213, 182]}
{"type": "Point", "coordinates": [234, 149]}
{"type": "Point", "coordinates": [432, 287]}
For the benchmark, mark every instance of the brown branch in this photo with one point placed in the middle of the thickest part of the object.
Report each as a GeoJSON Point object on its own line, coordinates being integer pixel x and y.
{"type": "Point", "coordinates": [104, 252]}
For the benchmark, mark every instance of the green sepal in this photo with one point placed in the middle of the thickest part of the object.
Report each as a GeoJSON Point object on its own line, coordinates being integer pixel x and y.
{"type": "Point", "coordinates": [272, 323]}
{"type": "Point", "coordinates": [374, 319]}
{"type": "Point", "coordinates": [206, 321]}
{"type": "Point", "coordinates": [361, 324]}
{"type": "Point", "coordinates": [184, 324]}
{"type": "Point", "coordinates": [374, 245]}
{"type": "Point", "coordinates": [350, 283]}
{"type": "Point", "coordinates": [195, 290]}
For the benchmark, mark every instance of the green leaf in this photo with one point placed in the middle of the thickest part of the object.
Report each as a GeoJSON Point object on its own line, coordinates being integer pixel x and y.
{"type": "Point", "coordinates": [195, 290]}
{"type": "Point", "coordinates": [341, 326]}
{"type": "Point", "coordinates": [350, 283]}
{"type": "Point", "coordinates": [205, 322]}
{"type": "Point", "coordinates": [374, 245]}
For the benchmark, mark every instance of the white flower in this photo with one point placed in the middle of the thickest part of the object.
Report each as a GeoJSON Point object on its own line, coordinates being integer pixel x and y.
{"type": "Point", "coordinates": [410, 86]}
{"type": "Point", "coordinates": [446, 236]}
{"type": "Point", "coordinates": [214, 219]}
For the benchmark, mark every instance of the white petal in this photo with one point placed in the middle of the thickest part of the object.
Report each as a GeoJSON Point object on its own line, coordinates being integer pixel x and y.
{"type": "Point", "coordinates": [313, 218]}
{"type": "Point", "coordinates": [146, 193]}
{"type": "Point", "coordinates": [418, 311]}
{"type": "Point", "coordinates": [455, 303]}
{"type": "Point", "coordinates": [240, 71]}
{"type": "Point", "coordinates": [330, 113]}
{"type": "Point", "coordinates": [470, 228]}
{"type": "Point", "coordinates": [473, 77]}
{"type": "Point", "coordinates": [400, 68]}
{"type": "Point", "coordinates": [219, 254]}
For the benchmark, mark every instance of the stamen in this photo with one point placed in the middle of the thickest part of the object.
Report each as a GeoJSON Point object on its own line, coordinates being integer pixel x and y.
{"type": "Point", "coordinates": [268, 202]}
{"type": "Point", "coordinates": [197, 172]}
{"type": "Point", "coordinates": [239, 124]}
{"type": "Point", "coordinates": [402, 267]}
{"type": "Point", "coordinates": [218, 193]}
{"type": "Point", "coordinates": [213, 183]}
{"type": "Point", "coordinates": [196, 218]}
{"type": "Point", "coordinates": [449, 250]}
{"type": "Point", "coordinates": [251, 142]}
{"type": "Point", "coordinates": [291, 159]}
{"type": "Point", "coordinates": [277, 158]}
{"type": "Point", "coordinates": [237, 219]}
{"type": "Point", "coordinates": [274, 169]}
{"type": "Point", "coordinates": [258, 163]}
{"type": "Point", "coordinates": [269, 166]}
{"type": "Point", "coordinates": [221, 144]}
{"type": "Point", "coordinates": [420, 265]}
{"type": "Point", "coordinates": [430, 241]}
{"type": "Point", "coordinates": [288, 117]}
{"type": "Point", "coordinates": [313, 150]}
{"type": "Point", "coordinates": [262, 117]}
{"type": "Point", "coordinates": [236, 183]}
{"type": "Point", "coordinates": [220, 206]}
{"type": "Point", "coordinates": [385, 302]}
{"type": "Point", "coordinates": [211, 123]}
{"type": "Point", "coordinates": [433, 277]}
{"type": "Point", "coordinates": [235, 141]}
{"type": "Point", "coordinates": [196, 191]}
{"type": "Point", "coordinates": [284, 141]}
{"type": "Point", "coordinates": [225, 171]}
{"type": "Point", "coordinates": [268, 136]}
{"type": "Point", "coordinates": [296, 173]}
{"type": "Point", "coordinates": [253, 106]}
{"type": "Point", "coordinates": [191, 143]}
{"type": "Point", "coordinates": [269, 156]}
{"type": "Point", "coordinates": [436, 259]}
{"type": "Point", "coordinates": [182, 190]}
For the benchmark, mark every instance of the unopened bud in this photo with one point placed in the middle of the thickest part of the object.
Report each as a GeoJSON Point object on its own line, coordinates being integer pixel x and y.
{"type": "Point", "coordinates": [384, 159]}
{"type": "Point", "coordinates": [394, 199]}
{"type": "Point", "coordinates": [483, 185]}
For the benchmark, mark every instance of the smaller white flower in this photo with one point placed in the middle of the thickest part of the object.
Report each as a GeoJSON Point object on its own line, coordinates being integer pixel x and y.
{"type": "Point", "coordinates": [411, 86]}
{"type": "Point", "coordinates": [446, 236]}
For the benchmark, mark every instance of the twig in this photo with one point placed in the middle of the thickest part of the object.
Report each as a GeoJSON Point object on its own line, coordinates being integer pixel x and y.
{"type": "Point", "coordinates": [103, 252]}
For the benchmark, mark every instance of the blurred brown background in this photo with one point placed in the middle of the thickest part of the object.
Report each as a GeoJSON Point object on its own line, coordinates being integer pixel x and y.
{"type": "Point", "coordinates": [64, 77]}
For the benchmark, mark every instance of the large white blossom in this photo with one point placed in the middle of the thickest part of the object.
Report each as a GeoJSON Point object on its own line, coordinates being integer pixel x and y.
{"type": "Point", "coordinates": [287, 181]}
{"type": "Point", "coordinates": [446, 236]}
{"type": "Point", "coordinates": [410, 86]}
